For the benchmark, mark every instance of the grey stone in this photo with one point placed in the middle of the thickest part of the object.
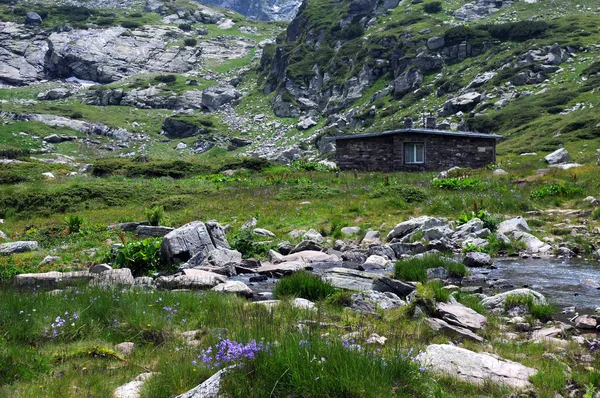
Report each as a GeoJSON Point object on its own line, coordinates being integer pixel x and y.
{"type": "Point", "coordinates": [559, 156]}
{"type": "Point", "coordinates": [211, 388]}
{"type": "Point", "coordinates": [480, 80]}
{"type": "Point", "coordinates": [382, 250]}
{"type": "Point", "coordinates": [476, 259]}
{"type": "Point", "coordinates": [132, 389]}
{"type": "Point", "coordinates": [113, 277]}
{"type": "Point", "coordinates": [587, 322]}
{"type": "Point", "coordinates": [282, 268]}
{"type": "Point", "coordinates": [217, 234]}
{"type": "Point", "coordinates": [125, 348]}
{"type": "Point", "coordinates": [17, 247]}
{"type": "Point", "coordinates": [234, 287]}
{"type": "Point", "coordinates": [476, 368]}
{"type": "Point", "coordinates": [349, 279]}
{"type": "Point", "coordinates": [533, 244]}
{"type": "Point", "coordinates": [51, 279]}
{"type": "Point", "coordinates": [435, 43]}
{"type": "Point", "coordinates": [187, 243]}
{"type": "Point", "coordinates": [263, 232]}
{"type": "Point", "coordinates": [190, 279]}
{"type": "Point", "coordinates": [313, 235]}
{"type": "Point", "coordinates": [371, 238]}
{"type": "Point", "coordinates": [460, 315]}
{"type": "Point", "coordinates": [33, 18]}
{"type": "Point", "coordinates": [306, 123]}
{"type": "Point", "coordinates": [514, 224]}
{"type": "Point", "coordinates": [420, 223]}
{"type": "Point", "coordinates": [350, 231]}
{"type": "Point", "coordinates": [99, 268]}
{"type": "Point", "coordinates": [49, 260]}
{"type": "Point", "coordinates": [376, 262]}
{"type": "Point", "coordinates": [303, 304]}
{"type": "Point", "coordinates": [407, 82]}
{"type": "Point", "coordinates": [384, 301]}
{"type": "Point", "coordinates": [216, 96]}
{"type": "Point", "coordinates": [444, 327]}
{"type": "Point", "coordinates": [463, 103]}
{"type": "Point", "coordinates": [149, 231]}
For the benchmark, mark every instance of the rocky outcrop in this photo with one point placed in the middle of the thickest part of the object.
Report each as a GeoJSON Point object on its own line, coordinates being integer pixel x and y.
{"type": "Point", "coordinates": [17, 247]}
{"type": "Point", "coordinates": [497, 302]}
{"type": "Point", "coordinates": [476, 368]}
{"type": "Point", "coordinates": [480, 9]}
{"type": "Point", "coordinates": [210, 388]}
{"type": "Point", "coordinates": [270, 10]}
{"type": "Point", "coordinates": [189, 244]}
{"type": "Point", "coordinates": [345, 278]}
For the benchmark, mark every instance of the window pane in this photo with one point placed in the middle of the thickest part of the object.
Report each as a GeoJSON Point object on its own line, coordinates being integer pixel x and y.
{"type": "Point", "coordinates": [419, 153]}
{"type": "Point", "coordinates": [410, 151]}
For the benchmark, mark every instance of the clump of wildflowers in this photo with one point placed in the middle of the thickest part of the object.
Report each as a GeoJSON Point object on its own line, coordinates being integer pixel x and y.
{"type": "Point", "coordinates": [61, 324]}
{"type": "Point", "coordinates": [228, 351]}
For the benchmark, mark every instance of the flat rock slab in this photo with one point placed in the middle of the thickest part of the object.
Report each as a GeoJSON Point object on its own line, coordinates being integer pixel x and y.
{"type": "Point", "coordinates": [284, 268]}
{"type": "Point", "coordinates": [211, 388]}
{"type": "Point", "coordinates": [234, 287]}
{"type": "Point", "coordinates": [149, 231]}
{"type": "Point", "coordinates": [191, 279]}
{"type": "Point", "coordinates": [55, 279]}
{"type": "Point", "coordinates": [311, 256]}
{"type": "Point", "coordinates": [350, 279]}
{"type": "Point", "coordinates": [17, 247]}
{"type": "Point", "coordinates": [460, 315]}
{"type": "Point", "coordinates": [476, 368]}
{"type": "Point", "coordinates": [133, 388]}
{"type": "Point", "coordinates": [444, 327]}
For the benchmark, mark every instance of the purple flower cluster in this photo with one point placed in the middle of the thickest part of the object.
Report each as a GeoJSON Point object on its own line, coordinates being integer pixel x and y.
{"type": "Point", "coordinates": [595, 346]}
{"type": "Point", "coordinates": [227, 351]}
{"type": "Point", "coordinates": [60, 325]}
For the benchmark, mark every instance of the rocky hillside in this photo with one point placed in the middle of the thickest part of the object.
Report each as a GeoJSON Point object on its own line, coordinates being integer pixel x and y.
{"type": "Point", "coordinates": [266, 10]}
{"type": "Point", "coordinates": [523, 70]}
{"type": "Point", "coordinates": [181, 79]}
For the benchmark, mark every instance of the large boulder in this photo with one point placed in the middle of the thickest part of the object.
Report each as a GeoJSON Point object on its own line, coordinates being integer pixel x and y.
{"type": "Point", "coordinates": [372, 299]}
{"type": "Point", "coordinates": [475, 368]}
{"type": "Point", "coordinates": [17, 247]}
{"type": "Point", "coordinates": [191, 279]}
{"type": "Point", "coordinates": [189, 244]}
{"type": "Point", "coordinates": [54, 94]}
{"type": "Point", "coordinates": [216, 96]}
{"type": "Point", "coordinates": [33, 18]}
{"type": "Point", "coordinates": [559, 156]}
{"type": "Point", "coordinates": [532, 243]}
{"type": "Point", "coordinates": [460, 315]}
{"type": "Point", "coordinates": [476, 259]}
{"type": "Point", "coordinates": [462, 103]}
{"type": "Point", "coordinates": [420, 223]}
{"type": "Point", "coordinates": [512, 225]}
{"type": "Point", "coordinates": [407, 82]}
{"type": "Point", "coordinates": [444, 327]}
{"type": "Point", "coordinates": [178, 127]}
{"type": "Point", "coordinates": [234, 287]}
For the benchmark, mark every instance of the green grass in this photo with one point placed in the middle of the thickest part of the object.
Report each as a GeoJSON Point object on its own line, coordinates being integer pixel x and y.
{"type": "Point", "coordinates": [415, 268]}
{"type": "Point", "coordinates": [304, 285]}
{"type": "Point", "coordinates": [543, 312]}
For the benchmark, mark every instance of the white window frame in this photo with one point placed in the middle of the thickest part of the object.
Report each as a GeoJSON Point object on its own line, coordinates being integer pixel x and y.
{"type": "Point", "coordinates": [414, 146]}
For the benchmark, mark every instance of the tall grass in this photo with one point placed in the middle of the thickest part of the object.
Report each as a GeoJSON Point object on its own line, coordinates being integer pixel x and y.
{"type": "Point", "coordinates": [415, 268]}
{"type": "Point", "coordinates": [305, 285]}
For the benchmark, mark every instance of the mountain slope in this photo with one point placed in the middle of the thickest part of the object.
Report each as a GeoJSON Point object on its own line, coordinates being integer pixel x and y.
{"type": "Point", "coordinates": [266, 10]}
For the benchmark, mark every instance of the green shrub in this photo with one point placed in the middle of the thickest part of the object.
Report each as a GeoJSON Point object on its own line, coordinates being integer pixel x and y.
{"type": "Point", "coordinates": [596, 213]}
{"type": "Point", "coordinates": [305, 285]}
{"type": "Point", "coordinates": [186, 27]}
{"type": "Point", "coordinates": [562, 190]}
{"type": "Point", "coordinates": [353, 31]}
{"type": "Point", "coordinates": [517, 31]}
{"type": "Point", "coordinates": [247, 243]}
{"type": "Point", "coordinates": [307, 191]}
{"type": "Point", "coordinates": [76, 115]}
{"type": "Point", "coordinates": [433, 7]}
{"type": "Point", "coordinates": [592, 69]}
{"type": "Point", "coordinates": [489, 221]}
{"type": "Point", "coordinates": [141, 257]}
{"type": "Point", "coordinates": [407, 193]}
{"type": "Point", "coordinates": [310, 166]}
{"type": "Point", "coordinates": [190, 42]}
{"type": "Point", "coordinates": [415, 268]}
{"type": "Point", "coordinates": [130, 24]}
{"type": "Point", "coordinates": [543, 312]}
{"type": "Point", "coordinates": [165, 78]}
{"type": "Point", "coordinates": [74, 223]}
{"type": "Point", "coordinates": [155, 215]}
{"type": "Point", "coordinates": [459, 183]}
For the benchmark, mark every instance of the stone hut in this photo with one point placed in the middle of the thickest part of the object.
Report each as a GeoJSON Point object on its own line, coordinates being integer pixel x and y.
{"type": "Point", "coordinates": [414, 149]}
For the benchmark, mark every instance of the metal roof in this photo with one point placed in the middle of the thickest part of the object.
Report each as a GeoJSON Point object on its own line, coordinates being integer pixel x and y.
{"type": "Point", "coordinates": [418, 131]}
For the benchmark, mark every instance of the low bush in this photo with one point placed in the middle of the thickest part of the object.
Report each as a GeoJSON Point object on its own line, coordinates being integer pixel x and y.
{"type": "Point", "coordinates": [432, 7]}
{"type": "Point", "coordinates": [247, 243]}
{"type": "Point", "coordinates": [459, 183]}
{"type": "Point", "coordinates": [415, 269]}
{"type": "Point", "coordinates": [304, 285]}
{"type": "Point", "coordinates": [155, 215]}
{"type": "Point", "coordinates": [165, 78]}
{"type": "Point", "coordinates": [130, 24]}
{"type": "Point", "coordinates": [562, 190]}
{"type": "Point", "coordinates": [186, 27]}
{"type": "Point", "coordinates": [311, 166]}
{"type": "Point", "coordinates": [407, 193]}
{"type": "Point", "coordinates": [141, 257]}
{"type": "Point", "coordinates": [543, 312]}
{"type": "Point", "coordinates": [307, 191]}
{"type": "Point", "coordinates": [74, 223]}
{"type": "Point", "coordinates": [190, 42]}
{"type": "Point", "coordinates": [517, 31]}
{"type": "Point", "coordinates": [489, 221]}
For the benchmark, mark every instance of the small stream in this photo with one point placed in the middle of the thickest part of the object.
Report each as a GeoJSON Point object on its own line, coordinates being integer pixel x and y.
{"type": "Point", "coordinates": [558, 279]}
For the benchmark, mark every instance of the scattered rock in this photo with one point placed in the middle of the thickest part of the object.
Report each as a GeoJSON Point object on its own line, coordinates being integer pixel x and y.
{"type": "Point", "coordinates": [460, 315]}
{"type": "Point", "coordinates": [17, 247]}
{"type": "Point", "coordinates": [349, 279]}
{"type": "Point", "coordinates": [211, 388]}
{"type": "Point", "coordinates": [149, 231]}
{"type": "Point", "coordinates": [476, 368]}
{"type": "Point", "coordinates": [444, 327]}
{"type": "Point", "coordinates": [125, 348]}
{"type": "Point", "coordinates": [234, 287]}
{"type": "Point", "coordinates": [133, 388]}
{"type": "Point", "coordinates": [559, 156]}
{"type": "Point", "coordinates": [476, 259]}
{"type": "Point", "coordinates": [497, 302]}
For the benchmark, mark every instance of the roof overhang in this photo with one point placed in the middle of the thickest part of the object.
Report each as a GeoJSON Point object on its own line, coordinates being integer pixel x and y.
{"type": "Point", "coordinates": [465, 134]}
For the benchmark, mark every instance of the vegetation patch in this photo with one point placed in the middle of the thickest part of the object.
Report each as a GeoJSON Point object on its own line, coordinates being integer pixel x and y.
{"type": "Point", "coordinates": [304, 285]}
{"type": "Point", "coordinates": [415, 268]}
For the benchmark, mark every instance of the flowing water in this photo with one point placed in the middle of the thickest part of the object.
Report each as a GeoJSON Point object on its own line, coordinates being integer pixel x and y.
{"type": "Point", "coordinates": [560, 280]}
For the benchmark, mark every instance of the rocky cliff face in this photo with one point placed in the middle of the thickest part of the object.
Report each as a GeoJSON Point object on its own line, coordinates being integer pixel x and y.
{"type": "Point", "coordinates": [265, 10]}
